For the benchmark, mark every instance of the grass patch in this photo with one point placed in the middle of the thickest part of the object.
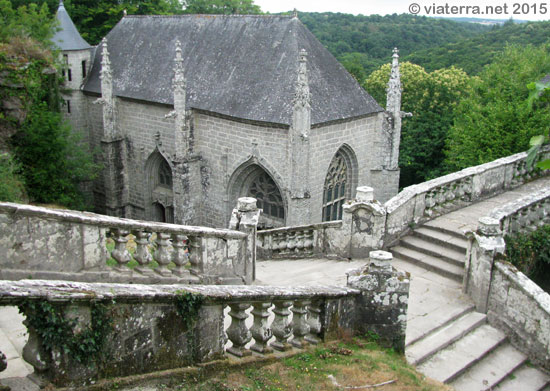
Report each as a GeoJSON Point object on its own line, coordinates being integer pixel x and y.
{"type": "Point", "coordinates": [358, 362]}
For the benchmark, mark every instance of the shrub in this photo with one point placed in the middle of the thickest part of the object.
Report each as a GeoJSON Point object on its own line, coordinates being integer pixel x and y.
{"type": "Point", "coordinates": [530, 253]}
{"type": "Point", "coordinates": [11, 185]}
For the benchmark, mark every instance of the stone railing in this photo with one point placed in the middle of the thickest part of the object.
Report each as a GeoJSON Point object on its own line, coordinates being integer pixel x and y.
{"type": "Point", "coordinates": [60, 244]}
{"type": "Point", "coordinates": [157, 327]}
{"type": "Point", "coordinates": [300, 241]}
{"type": "Point", "coordinates": [511, 300]}
{"type": "Point", "coordinates": [359, 232]}
{"type": "Point", "coordinates": [419, 203]}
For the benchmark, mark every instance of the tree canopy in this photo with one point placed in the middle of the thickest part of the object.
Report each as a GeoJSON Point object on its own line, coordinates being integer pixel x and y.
{"type": "Point", "coordinates": [432, 98]}
{"type": "Point", "coordinates": [495, 118]}
{"type": "Point", "coordinates": [225, 7]}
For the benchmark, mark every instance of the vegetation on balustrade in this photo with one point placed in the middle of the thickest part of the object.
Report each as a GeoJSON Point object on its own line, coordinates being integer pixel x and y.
{"type": "Point", "coordinates": [353, 362]}
{"type": "Point", "coordinates": [188, 305]}
{"type": "Point", "coordinates": [57, 332]}
{"type": "Point", "coordinates": [530, 253]}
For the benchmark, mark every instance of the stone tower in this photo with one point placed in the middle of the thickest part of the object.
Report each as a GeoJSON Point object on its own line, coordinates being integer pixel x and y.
{"type": "Point", "coordinates": [77, 54]}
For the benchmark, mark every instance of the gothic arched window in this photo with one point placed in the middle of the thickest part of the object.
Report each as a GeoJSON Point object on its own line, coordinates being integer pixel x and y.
{"type": "Point", "coordinates": [164, 174]}
{"type": "Point", "coordinates": [336, 187]}
{"type": "Point", "coordinates": [268, 197]}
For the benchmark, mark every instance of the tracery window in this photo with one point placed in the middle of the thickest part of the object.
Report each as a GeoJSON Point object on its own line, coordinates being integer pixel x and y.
{"type": "Point", "coordinates": [268, 197]}
{"type": "Point", "coordinates": [165, 174]}
{"type": "Point", "coordinates": [335, 189]}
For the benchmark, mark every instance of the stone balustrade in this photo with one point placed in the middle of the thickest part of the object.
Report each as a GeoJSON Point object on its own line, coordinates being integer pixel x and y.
{"type": "Point", "coordinates": [512, 302]}
{"type": "Point", "coordinates": [69, 245]}
{"type": "Point", "coordinates": [355, 235]}
{"type": "Point", "coordinates": [157, 327]}
{"type": "Point", "coordinates": [422, 202]}
{"type": "Point", "coordinates": [298, 242]}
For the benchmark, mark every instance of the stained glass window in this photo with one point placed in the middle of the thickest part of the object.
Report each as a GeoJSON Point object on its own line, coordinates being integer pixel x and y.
{"type": "Point", "coordinates": [165, 174]}
{"type": "Point", "coordinates": [334, 192]}
{"type": "Point", "coordinates": [268, 197]}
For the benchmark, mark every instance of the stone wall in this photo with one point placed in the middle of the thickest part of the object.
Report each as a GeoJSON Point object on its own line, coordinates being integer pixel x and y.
{"type": "Point", "coordinates": [512, 301]}
{"type": "Point", "coordinates": [62, 244]}
{"type": "Point", "coordinates": [521, 308]}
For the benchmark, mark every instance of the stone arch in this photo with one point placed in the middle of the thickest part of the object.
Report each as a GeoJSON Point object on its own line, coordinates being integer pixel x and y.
{"type": "Point", "coordinates": [159, 197]}
{"type": "Point", "coordinates": [253, 179]}
{"type": "Point", "coordinates": [340, 182]}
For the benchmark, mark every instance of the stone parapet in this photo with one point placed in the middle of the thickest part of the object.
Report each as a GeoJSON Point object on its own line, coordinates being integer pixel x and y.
{"type": "Point", "coordinates": [46, 243]}
{"type": "Point", "coordinates": [512, 301]}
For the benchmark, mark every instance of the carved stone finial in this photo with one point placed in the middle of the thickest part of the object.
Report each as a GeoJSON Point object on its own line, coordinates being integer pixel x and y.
{"type": "Point", "coordinates": [106, 72]}
{"type": "Point", "coordinates": [295, 13]}
{"type": "Point", "coordinates": [61, 3]}
{"type": "Point", "coordinates": [364, 194]}
{"type": "Point", "coordinates": [489, 226]}
{"type": "Point", "coordinates": [179, 70]}
{"type": "Point", "coordinates": [301, 95]}
{"type": "Point", "coordinates": [393, 101]}
{"type": "Point", "coordinates": [124, 13]}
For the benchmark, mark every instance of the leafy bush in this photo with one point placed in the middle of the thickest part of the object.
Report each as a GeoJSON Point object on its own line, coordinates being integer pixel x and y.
{"type": "Point", "coordinates": [53, 159]}
{"type": "Point", "coordinates": [11, 185]}
{"type": "Point", "coordinates": [530, 253]}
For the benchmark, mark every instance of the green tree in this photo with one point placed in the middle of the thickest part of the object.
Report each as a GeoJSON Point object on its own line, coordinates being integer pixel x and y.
{"type": "Point", "coordinates": [225, 7]}
{"type": "Point", "coordinates": [32, 21]}
{"type": "Point", "coordinates": [95, 18]}
{"type": "Point", "coordinates": [432, 98]}
{"type": "Point", "coordinates": [495, 119]}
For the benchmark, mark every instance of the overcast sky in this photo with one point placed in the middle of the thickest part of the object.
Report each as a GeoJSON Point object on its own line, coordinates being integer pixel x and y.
{"type": "Point", "coordinates": [522, 10]}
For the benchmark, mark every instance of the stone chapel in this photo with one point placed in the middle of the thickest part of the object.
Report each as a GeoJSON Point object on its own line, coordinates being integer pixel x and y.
{"type": "Point", "coordinates": [191, 112]}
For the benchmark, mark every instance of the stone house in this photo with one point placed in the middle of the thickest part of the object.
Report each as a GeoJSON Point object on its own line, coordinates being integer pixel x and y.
{"type": "Point", "coordinates": [193, 111]}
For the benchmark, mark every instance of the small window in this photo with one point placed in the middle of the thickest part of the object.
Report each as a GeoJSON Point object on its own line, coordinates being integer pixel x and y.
{"type": "Point", "coordinates": [66, 59]}
{"type": "Point", "coordinates": [68, 106]}
{"type": "Point", "coordinates": [69, 75]}
{"type": "Point", "coordinates": [83, 69]}
{"type": "Point", "coordinates": [165, 175]}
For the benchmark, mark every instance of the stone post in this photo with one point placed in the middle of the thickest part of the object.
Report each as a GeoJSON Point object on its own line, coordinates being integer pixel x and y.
{"type": "Point", "coordinates": [245, 218]}
{"type": "Point", "coordinates": [383, 303]}
{"type": "Point", "coordinates": [300, 149]}
{"type": "Point", "coordinates": [365, 220]}
{"type": "Point", "coordinates": [484, 246]}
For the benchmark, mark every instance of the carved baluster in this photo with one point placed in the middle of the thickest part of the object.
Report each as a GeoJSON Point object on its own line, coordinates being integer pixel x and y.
{"type": "Point", "coordinates": [283, 240]}
{"type": "Point", "coordinates": [260, 330]}
{"type": "Point", "coordinates": [308, 241]}
{"type": "Point", "coordinates": [546, 207]}
{"type": "Point", "coordinates": [314, 321]}
{"type": "Point", "coordinates": [291, 242]}
{"type": "Point", "coordinates": [300, 324]}
{"type": "Point", "coordinates": [299, 242]}
{"type": "Point", "coordinates": [179, 257]}
{"type": "Point", "coordinates": [163, 254]}
{"type": "Point", "coordinates": [237, 332]}
{"type": "Point", "coordinates": [429, 202]}
{"type": "Point", "coordinates": [281, 326]}
{"type": "Point", "coordinates": [515, 225]}
{"type": "Point", "coordinates": [467, 188]}
{"type": "Point", "coordinates": [452, 190]}
{"type": "Point", "coordinates": [194, 248]}
{"type": "Point", "coordinates": [120, 252]}
{"type": "Point", "coordinates": [142, 254]}
{"type": "Point", "coordinates": [540, 214]}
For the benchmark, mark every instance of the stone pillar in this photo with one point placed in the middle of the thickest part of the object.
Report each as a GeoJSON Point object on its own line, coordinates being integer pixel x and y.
{"type": "Point", "coordinates": [112, 144]}
{"type": "Point", "coordinates": [245, 218]}
{"type": "Point", "coordinates": [383, 303]}
{"type": "Point", "coordinates": [365, 221]}
{"type": "Point", "coordinates": [485, 245]}
{"type": "Point", "coordinates": [393, 109]}
{"type": "Point", "coordinates": [299, 206]}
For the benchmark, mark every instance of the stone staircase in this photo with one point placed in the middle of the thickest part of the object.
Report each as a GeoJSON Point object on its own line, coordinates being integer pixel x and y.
{"type": "Point", "coordinates": [459, 347]}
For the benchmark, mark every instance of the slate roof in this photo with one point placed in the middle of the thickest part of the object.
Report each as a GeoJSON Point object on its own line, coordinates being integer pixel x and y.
{"type": "Point", "coordinates": [68, 38]}
{"type": "Point", "coordinates": [236, 65]}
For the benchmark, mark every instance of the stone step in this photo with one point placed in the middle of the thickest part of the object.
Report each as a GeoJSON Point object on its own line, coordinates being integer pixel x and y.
{"type": "Point", "coordinates": [448, 240]}
{"type": "Point", "coordinates": [490, 371]}
{"type": "Point", "coordinates": [526, 378]}
{"type": "Point", "coordinates": [420, 351]}
{"type": "Point", "coordinates": [443, 252]}
{"type": "Point", "coordinates": [429, 262]}
{"type": "Point", "coordinates": [451, 362]}
{"type": "Point", "coordinates": [441, 226]}
{"type": "Point", "coordinates": [424, 326]}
